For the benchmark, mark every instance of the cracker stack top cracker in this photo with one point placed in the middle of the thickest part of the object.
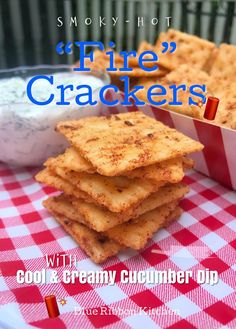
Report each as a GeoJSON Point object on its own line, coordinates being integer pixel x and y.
{"type": "Point", "coordinates": [114, 145]}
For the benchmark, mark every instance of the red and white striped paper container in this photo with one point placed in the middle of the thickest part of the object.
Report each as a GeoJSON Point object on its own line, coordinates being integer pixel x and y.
{"type": "Point", "coordinates": [218, 158]}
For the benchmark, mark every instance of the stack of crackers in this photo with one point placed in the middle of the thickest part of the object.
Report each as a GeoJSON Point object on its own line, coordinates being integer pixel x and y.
{"type": "Point", "coordinates": [121, 179]}
{"type": "Point", "coordinates": [195, 61]}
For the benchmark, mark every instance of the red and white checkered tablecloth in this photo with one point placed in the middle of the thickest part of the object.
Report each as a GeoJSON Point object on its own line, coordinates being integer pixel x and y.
{"type": "Point", "coordinates": [28, 232]}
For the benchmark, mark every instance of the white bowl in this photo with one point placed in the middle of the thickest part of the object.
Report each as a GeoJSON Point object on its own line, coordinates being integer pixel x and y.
{"type": "Point", "coordinates": [27, 135]}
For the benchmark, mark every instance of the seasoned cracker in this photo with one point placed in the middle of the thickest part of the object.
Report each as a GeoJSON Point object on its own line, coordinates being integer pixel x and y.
{"type": "Point", "coordinates": [62, 205]}
{"type": "Point", "coordinates": [208, 65]}
{"type": "Point", "coordinates": [115, 193]}
{"type": "Point", "coordinates": [174, 215]}
{"type": "Point", "coordinates": [224, 65]}
{"type": "Point", "coordinates": [166, 194]}
{"type": "Point", "coordinates": [101, 219]}
{"type": "Point", "coordinates": [190, 49]}
{"type": "Point", "coordinates": [135, 233]}
{"type": "Point", "coordinates": [126, 141]}
{"type": "Point", "coordinates": [192, 76]}
{"type": "Point", "coordinates": [226, 113]}
{"type": "Point", "coordinates": [188, 163]}
{"type": "Point", "coordinates": [45, 176]}
{"type": "Point", "coordinates": [98, 247]}
{"type": "Point", "coordinates": [70, 160]}
{"type": "Point", "coordinates": [170, 171]}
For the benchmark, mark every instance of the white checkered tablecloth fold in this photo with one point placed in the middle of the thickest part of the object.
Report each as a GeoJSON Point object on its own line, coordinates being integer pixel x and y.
{"type": "Point", "coordinates": [203, 238]}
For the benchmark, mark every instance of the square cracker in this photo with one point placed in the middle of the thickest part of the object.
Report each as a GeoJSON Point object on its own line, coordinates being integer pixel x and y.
{"type": "Point", "coordinates": [95, 245]}
{"type": "Point", "coordinates": [47, 177]}
{"type": "Point", "coordinates": [62, 205]}
{"type": "Point", "coordinates": [115, 193]}
{"type": "Point", "coordinates": [135, 233]}
{"type": "Point", "coordinates": [224, 65]}
{"type": "Point", "coordinates": [188, 163]}
{"type": "Point", "coordinates": [123, 142]}
{"type": "Point", "coordinates": [166, 194]}
{"type": "Point", "coordinates": [192, 75]}
{"type": "Point", "coordinates": [100, 219]}
{"type": "Point", "coordinates": [225, 90]}
{"type": "Point", "coordinates": [190, 49]}
{"type": "Point", "coordinates": [70, 160]}
{"type": "Point", "coordinates": [170, 170]}
{"type": "Point", "coordinates": [226, 113]}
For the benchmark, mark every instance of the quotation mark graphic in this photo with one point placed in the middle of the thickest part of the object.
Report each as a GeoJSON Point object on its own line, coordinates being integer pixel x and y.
{"type": "Point", "coordinates": [62, 48]}
{"type": "Point", "coordinates": [166, 45]}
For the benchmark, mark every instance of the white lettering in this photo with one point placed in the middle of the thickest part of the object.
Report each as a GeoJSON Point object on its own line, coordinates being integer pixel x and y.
{"type": "Point", "coordinates": [88, 21]}
{"type": "Point", "coordinates": [73, 21]}
{"type": "Point", "coordinates": [114, 20]}
{"type": "Point", "coordinates": [168, 18]}
{"type": "Point", "coordinates": [59, 19]}
{"type": "Point", "coordinates": [101, 21]}
{"type": "Point", "coordinates": [140, 21]}
{"type": "Point", "coordinates": [154, 21]}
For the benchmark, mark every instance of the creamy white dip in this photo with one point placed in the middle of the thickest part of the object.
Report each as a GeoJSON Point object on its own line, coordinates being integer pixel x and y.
{"type": "Point", "coordinates": [27, 135]}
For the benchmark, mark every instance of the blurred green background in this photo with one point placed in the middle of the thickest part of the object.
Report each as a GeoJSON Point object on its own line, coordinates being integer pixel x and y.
{"type": "Point", "coordinates": [29, 32]}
